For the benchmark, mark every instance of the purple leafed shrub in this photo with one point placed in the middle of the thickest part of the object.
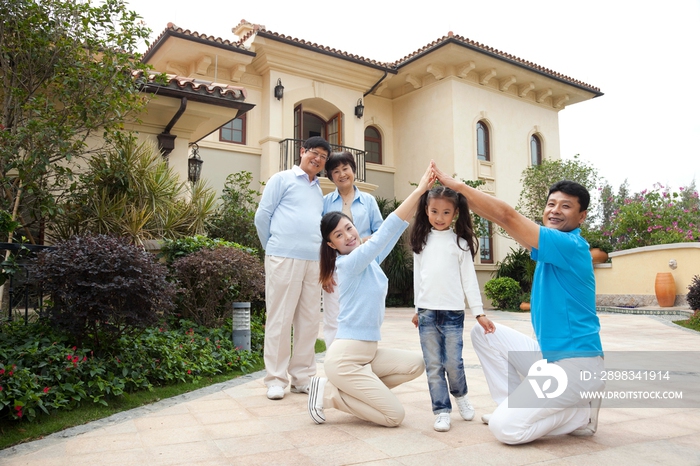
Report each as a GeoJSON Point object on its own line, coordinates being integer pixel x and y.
{"type": "Point", "coordinates": [102, 287]}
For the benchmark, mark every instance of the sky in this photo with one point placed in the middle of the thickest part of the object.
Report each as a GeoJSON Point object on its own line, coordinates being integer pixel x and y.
{"type": "Point", "coordinates": [642, 54]}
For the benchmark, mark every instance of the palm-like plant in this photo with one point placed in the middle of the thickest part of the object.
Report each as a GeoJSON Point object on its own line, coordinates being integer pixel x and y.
{"type": "Point", "coordinates": [130, 191]}
{"type": "Point", "coordinates": [398, 265]}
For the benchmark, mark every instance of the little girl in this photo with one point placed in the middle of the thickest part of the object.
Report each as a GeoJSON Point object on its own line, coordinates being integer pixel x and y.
{"type": "Point", "coordinates": [360, 374]}
{"type": "Point", "coordinates": [443, 274]}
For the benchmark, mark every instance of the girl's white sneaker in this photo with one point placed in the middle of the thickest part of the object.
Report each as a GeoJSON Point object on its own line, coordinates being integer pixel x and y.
{"type": "Point", "coordinates": [466, 410]}
{"type": "Point", "coordinates": [442, 422]}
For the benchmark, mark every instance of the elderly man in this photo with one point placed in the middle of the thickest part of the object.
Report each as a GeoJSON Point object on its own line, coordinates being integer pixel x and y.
{"type": "Point", "coordinates": [287, 221]}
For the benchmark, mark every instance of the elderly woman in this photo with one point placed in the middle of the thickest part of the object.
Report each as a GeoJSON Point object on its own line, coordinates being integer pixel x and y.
{"type": "Point", "coordinates": [361, 208]}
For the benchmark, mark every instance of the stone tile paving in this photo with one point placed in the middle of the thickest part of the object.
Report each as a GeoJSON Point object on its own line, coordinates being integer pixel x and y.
{"type": "Point", "coordinates": [233, 423]}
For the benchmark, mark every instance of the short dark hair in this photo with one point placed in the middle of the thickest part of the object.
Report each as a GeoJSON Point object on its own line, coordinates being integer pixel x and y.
{"type": "Point", "coordinates": [572, 189]}
{"type": "Point", "coordinates": [340, 158]}
{"type": "Point", "coordinates": [316, 141]}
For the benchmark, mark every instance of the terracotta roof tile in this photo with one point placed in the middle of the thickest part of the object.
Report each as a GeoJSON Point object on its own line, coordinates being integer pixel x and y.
{"type": "Point", "coordinates": [318, 46]}
{"type": "Point", "coordinates": [470, 43]}
{"type": "Point", "coordinates": [196, 85]}
{"type": "Point", "coordinates": [172, 28]}
{"type": "Point", "coordinates": [450, 37]}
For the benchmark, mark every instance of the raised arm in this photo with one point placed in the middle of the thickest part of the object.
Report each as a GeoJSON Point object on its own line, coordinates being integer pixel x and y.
{"type": "Point", "coordinates": [522, 229]}
{"type": "Point", "coordinates": [408, 207]}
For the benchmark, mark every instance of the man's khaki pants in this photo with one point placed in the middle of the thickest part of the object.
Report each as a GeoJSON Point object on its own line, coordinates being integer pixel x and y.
{"type": "Point", "coordinates": [293, 299]}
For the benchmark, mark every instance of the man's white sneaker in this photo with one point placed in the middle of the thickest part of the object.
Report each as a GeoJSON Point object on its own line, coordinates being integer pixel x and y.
{"type": "Point", "coordinates": [442, 422]}
{"type": "Point", "coordinates": [485, 418]}
{"type": "Point", "coordinates": [466, 410]}
{"type": "Point", "coordinates": [299, 389]}
{"type": "Point", "coordinates": [315, 405]}
{"type": "Point", "coordinates": [592, 427]}
{"type": "Point", "coordinates": [275, 392]}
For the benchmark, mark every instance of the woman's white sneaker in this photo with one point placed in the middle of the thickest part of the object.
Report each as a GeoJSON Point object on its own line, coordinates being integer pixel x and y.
{"type": "Point", "coordinates": [442, 422]}
{"type": "Point", "coordinates": [315, 405]}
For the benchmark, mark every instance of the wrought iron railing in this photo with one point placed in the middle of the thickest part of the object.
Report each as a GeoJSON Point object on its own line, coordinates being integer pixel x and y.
{"type": "Point", "coordinates": [24, 293]}
{"type": "Point", "coordinates": [290, 152]}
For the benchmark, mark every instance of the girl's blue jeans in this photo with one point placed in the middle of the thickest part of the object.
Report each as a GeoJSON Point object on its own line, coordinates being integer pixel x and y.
{"type": "Point", "coordinates": [441, 341]}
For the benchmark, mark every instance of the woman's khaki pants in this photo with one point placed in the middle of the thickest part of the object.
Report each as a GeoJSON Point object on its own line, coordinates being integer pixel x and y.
{"type": "Point", "coordinates": [360, 376]}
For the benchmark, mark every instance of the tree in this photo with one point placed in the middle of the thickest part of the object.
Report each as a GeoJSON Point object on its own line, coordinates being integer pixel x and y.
{"type": "Point", "coordinates": [537, 179]}
{"type": "Point", "coordinates": [235, 219]}
{"type": "Point", "coordinates": [66, 70]}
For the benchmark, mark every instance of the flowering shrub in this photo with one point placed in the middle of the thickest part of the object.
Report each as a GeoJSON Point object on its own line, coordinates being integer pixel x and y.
{"type": "Point", "coordinates": [658, 216]}
{"type": "Point", "coordinates": [41, 371]}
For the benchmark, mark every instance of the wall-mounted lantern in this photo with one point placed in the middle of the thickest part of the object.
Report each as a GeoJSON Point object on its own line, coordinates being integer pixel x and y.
{"type": "Point", "coordinates": [279, 90]}
{"type": "Point", "coordinates": [359, 109]}
{"type": "Point", "coordinates": [194, 165]}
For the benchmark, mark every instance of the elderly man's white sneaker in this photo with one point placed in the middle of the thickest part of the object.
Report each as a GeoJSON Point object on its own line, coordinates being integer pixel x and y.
{"type": "Point", "coordinates": [275, 392]}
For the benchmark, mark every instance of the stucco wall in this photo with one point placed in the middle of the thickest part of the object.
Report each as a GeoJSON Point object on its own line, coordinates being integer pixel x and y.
{"type": "Point", "coordinates": [629, 279]}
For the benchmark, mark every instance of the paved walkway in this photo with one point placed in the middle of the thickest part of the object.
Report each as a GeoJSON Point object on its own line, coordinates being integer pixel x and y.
{"type": "Point", "coordinates": [235, 424]}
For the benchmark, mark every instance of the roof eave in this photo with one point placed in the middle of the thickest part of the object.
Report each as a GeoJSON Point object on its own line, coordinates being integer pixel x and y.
{"type": "Point", "coordinates": [201, 40]}
{"type": "Point", "coordinates": [340, 56]}
{"type": "Point", "coordinates": [451, 40]}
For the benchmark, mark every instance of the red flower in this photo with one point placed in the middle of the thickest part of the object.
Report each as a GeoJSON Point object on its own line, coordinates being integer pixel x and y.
{"type": "Point", "coordinates": [2, 371]}
{"type": "Point", "coordinates": [69, 357]}
{"type": "Point", "coordinates": [10, 373]}
{"type": "Point", "coordinates": [84, 358]}
{"type": "Point", "coordinates": [75, 348]}
{"type": "Point", "coordinates": [46, 389]}
{"type": "Point", "coordinates": [0, 388]}
{"type": "Point", "coordinates": [189, 371]}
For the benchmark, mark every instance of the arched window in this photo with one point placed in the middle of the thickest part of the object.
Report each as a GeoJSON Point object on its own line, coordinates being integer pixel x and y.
{"type": "Point", "coordinates": [373, 145]}
{"type": "Point", "coordinates": [483, 143]}
{"type": "Point", "coordinates": [535, 150]}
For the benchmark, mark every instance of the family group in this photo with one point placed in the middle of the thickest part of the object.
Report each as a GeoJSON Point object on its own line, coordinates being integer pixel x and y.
{"type": "Point", "coordinates": [333, 245]}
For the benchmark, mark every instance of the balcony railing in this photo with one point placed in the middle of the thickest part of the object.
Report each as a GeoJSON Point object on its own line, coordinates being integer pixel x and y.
{"type": "Point", "coordinates": [290, 153]}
